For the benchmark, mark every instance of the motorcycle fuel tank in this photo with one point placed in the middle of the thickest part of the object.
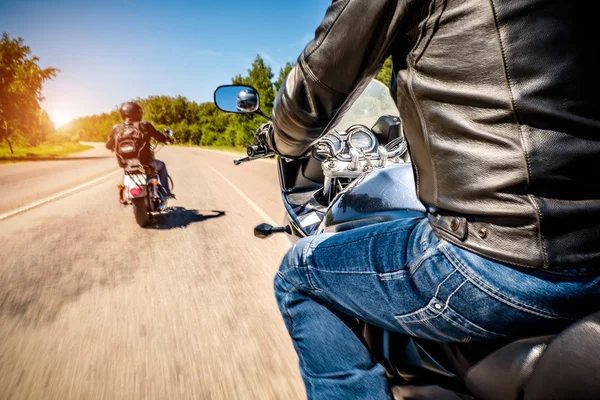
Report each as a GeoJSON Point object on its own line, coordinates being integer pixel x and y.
{"type": "Point", "coordinates": [380, 195]}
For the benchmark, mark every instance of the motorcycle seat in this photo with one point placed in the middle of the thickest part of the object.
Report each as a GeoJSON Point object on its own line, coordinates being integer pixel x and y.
{"type": "Point", "coordinates": [565, 366]}
{"type": "Point", "coordinates": [562, 366]}
{"type": "Point", "coordinates": [133, 167]}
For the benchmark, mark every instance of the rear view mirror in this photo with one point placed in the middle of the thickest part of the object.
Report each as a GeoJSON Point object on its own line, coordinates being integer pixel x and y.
{"type": "Point", "coordinates": [237, 99]}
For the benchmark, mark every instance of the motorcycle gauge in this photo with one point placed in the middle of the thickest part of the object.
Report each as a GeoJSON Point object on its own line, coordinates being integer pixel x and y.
{"type": "Point", "coordinates": [361, 138]}
{"type": "Point", "coordinates": [334, 142]}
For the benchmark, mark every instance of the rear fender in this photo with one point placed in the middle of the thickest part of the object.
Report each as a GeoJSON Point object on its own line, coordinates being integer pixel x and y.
{"type": "Point", "coordinates": [131, 181]}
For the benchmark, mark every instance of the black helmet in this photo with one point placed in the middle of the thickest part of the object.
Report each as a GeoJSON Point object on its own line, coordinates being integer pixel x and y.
{"type": "Point", "coordinates": [246, 100]}
{"type": "Point", "coordinates": [131, 112]}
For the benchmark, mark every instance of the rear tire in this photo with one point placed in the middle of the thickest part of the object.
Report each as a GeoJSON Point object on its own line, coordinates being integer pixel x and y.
{"type": "Point", "coordinates": [142, 217]}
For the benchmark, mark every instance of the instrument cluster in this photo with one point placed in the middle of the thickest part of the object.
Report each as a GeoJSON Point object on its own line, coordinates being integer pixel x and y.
{"type": "Point", "coordinates": [357, 137]}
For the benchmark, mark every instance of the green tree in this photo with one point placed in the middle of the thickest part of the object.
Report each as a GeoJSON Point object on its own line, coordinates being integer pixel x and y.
{"type": "Point", "coordinates": [385, 73]}
{"type": "Point", "coordinates": [46, 126]}
{"type": "Point", "coordinates": [21, 81]}
{"type": "Point", "coordinates": [260, 77]}
{"type": "Point", "coordinates": [283, 73]}
{"type": "Point", "coordinates": [91, 128]}
{"type": "Point", "coordinates": [193, 123]}
{"type": "Point", "coordinates": [167, 111]}
{"type": "Point", "coordinates": [241, 128]}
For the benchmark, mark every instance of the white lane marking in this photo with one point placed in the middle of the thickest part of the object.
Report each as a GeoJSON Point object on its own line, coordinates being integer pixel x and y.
{"type": "Point", "coordinates": [283, 239]}
{"type": "Point", "coordinates": [256, 208]}
{"type": "Point", "coordinates": [54, 197]}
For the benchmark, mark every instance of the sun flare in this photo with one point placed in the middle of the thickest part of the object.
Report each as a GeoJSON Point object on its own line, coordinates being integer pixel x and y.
{"type": "Point", "coordinates": [61, 118]}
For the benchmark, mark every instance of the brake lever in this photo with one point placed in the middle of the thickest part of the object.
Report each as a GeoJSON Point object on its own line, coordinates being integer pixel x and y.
{"type": "Point", "coordinates": [239, 161]}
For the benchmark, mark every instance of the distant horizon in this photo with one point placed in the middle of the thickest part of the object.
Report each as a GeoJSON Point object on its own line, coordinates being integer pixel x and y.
{"type": "Point", "coordinates": [117, 106]}
{"type": "Point", "coordinates": [118, 50]}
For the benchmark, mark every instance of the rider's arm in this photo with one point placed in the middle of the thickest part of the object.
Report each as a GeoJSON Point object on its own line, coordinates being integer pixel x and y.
{"type": "Point", "coordinates": [151, 130]}
{"type": "Point", "coordinates": [110, 144]}
{"type": "Point", "coordinates": [349, 48]}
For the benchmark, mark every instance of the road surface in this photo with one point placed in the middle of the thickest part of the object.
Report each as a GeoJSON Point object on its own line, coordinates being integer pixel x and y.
{"type": "Point", "coordinates": [94, 307]}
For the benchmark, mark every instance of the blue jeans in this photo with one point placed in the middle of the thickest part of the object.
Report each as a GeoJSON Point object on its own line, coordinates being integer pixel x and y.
{"type": "Point", "coordinates": [401, 277]}
{"type": "Point", "coordinates": [163, 175]}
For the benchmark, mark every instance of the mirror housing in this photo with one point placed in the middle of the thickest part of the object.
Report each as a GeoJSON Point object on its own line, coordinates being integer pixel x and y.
{"type": "Point", "coordinates": [239, 99]}
{"type": "Point", "coordinates": [263, 231]}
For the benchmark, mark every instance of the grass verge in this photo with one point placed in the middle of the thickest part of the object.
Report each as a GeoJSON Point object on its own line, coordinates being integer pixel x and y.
{"type": "Point", "coordinates": [40, 152]}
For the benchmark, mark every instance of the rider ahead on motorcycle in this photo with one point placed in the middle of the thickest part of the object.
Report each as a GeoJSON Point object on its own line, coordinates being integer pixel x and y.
{"type": "Point", "coordinates": [138, 132]}
{"type": "Point", "coordinates": [246, 101]}
{"type": "Point", "coordinates": [500, 108]}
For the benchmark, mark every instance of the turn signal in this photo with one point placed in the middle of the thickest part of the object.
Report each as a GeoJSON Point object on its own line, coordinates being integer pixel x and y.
{"type": "Point", "coordinates": [154, 182]}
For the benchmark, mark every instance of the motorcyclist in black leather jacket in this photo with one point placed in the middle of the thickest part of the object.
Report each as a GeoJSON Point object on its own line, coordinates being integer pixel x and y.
{"type": "Point", "coordinates": [500, 108]}
{"type": "Point", "coordinates": [132, 116]}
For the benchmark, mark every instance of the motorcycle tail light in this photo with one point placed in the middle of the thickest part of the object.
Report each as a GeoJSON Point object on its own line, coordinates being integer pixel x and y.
{"type": "Point", "coordinates": [135, 191]}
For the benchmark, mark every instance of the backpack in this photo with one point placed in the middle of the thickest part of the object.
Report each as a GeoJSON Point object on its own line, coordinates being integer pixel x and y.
{"type": "Point", "coordinates": [129, 143]}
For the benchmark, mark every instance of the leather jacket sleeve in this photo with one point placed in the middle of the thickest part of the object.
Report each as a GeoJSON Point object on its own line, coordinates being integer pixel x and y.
{"type": "Point", "coordinates": [110, 144]}
{"type": "Point", "coordinates": [348, 50]}
{"type": "Point", "coordinates": [151, 130]}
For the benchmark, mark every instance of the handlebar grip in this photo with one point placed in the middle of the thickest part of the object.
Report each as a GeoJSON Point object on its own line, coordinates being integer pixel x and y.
{"type": "Point", "coordinates": [256, 150]}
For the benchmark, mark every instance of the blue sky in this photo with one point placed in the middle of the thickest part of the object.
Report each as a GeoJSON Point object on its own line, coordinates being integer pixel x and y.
{"type": "Point", "coordinates": [110, 51]}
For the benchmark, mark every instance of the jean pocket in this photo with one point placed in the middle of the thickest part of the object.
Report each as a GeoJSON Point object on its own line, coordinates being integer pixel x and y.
{"type": "Point", "coordinates": [439, 322]}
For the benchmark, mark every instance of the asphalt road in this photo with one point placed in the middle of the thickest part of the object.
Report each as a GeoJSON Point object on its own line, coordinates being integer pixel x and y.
{"type": "Point", "coordinates": [94, 307]}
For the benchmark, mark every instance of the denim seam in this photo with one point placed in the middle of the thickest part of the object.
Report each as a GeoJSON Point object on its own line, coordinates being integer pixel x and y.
{"type": "Point", "coordinates": [497, 295]}
{"type": "Point", "coordinates": [286, 302]}
{"type": "Point", "coordinates": [435, 330]}
{"type": "Point", "coordinates": [343, 272]}
{"type": "Point", "coordinates": [383, 276]}
{"type": "Point", "coordinates": [306, 265]}
{"type": "Point", "coordinates": [405, 327]}
{"type": "Point", "coordinates": [429, 253]}
{"type": "Point", "coordinates": [446, 304]}
{"type": "Point", "coordinates": [424, 245]}
{"type": "Point", "coordinates": [417, 312]}
{"type": "Point", "coordinates": [366, 237]}
{"type": "Point", "coordinates": [492, 292]}
{"type": "Point", "coordinates": [482, 331]}
{"type": "Point", "coordinates": [303, 261]}
{"type": "Point", "coordinates": [287, 310]}
{"type": "Point", "coordinates": [291, 262]}
{"type": "Point", "coordinates": [283, 271]}
{"type": "Point", "coordinates": [390, 276]}
{"type": "Point", "coordinates": [437, 290]}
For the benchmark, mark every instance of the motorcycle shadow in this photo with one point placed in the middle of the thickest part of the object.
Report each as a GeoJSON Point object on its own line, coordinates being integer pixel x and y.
{"type": "Point", "coordinates": [180, 217]}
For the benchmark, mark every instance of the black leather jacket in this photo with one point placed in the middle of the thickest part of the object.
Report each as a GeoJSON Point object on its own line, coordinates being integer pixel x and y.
{"type": "Point", "coordinates": [149, 131]}
{"type": "Point", "coordinates": [500, 104]}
